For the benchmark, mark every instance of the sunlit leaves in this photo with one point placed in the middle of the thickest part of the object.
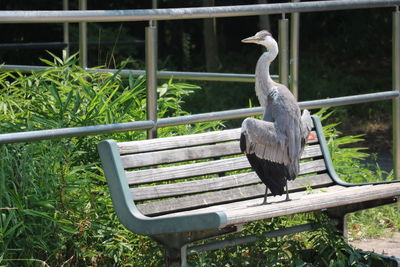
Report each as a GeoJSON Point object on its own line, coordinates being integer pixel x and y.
{"type": "Point", "coordinates": [55, 207]}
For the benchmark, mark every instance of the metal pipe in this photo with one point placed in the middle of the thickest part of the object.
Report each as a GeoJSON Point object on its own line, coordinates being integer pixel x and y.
{"type": "Point", "coordinates": [248, 112]}
{"type": "Point", "coordinates": [187, 13]}
{"type": "Point", "coordinates": [284, 51]}
{"type": "Point", "coordinates": [349, 100]}
{"type": "Point", "coordinates": [396, 88]}
{"type": "Point", "coordinates": [154, 5]}
{"type": "Point", "coordinates": [82, 37]}
{"type": "Point", "coordinates": [164, 122]}
{"type": "Point", "coordinates": [253, 238]}
{"type": "Point", "coordinates": [294, 52]}
{"type": "Point", "coordinates": [196, 76]}
{"type": "Point", "coordinates": [74, 131]}
{"type": "Point", "coordinates": [21, 68]}
{"type": "Point", "coordinates": [211, 116]}
{"type": "Point", "coordinates": [64, 44]}
{"type": "Point", "coordinates": [66, 30]}
{"type": "Point", "coordinates": [209, 76]}
{"type": "Point", "coordinates": [151, 77]}
{"type": "Point", "coordinates": [151, 73]}
{"type": "Point", "coordinates": [34, 45]}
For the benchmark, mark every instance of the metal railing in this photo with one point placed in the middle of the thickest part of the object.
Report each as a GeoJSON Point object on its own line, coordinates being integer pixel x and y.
{"type": "Point", "coordinates": [152, 15]}
{"type": "Point", "coordinates": [186, 13]}
{"type": "Point", "coordinates": [165, 122]}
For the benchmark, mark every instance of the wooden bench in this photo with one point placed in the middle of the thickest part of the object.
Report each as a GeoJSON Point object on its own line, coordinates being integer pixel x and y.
{"type": "Point", "coordinates": [182, 189]}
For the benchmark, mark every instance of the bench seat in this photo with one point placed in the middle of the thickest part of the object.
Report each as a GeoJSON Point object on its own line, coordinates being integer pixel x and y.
{"type": "Point", "coordinates": [304, 201]}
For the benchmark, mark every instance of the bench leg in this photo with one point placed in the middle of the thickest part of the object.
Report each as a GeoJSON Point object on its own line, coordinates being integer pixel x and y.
{"type": "Point", "coordinates": [341, 221]}
{"type": "Point", "coordinates": [342, 226]}
{"type": "Point", "coordinates": [176, 257]}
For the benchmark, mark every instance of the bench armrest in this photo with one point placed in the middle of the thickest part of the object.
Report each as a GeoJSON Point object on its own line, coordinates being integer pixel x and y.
{"type": "Point", "coordinates": [127, 211]}
{"type": "Point", "coordinates": [328, 160]}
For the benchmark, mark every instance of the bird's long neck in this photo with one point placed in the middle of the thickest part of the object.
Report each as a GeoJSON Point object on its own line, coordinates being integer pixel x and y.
{"type": "Point", "coordinates": [264, 81]}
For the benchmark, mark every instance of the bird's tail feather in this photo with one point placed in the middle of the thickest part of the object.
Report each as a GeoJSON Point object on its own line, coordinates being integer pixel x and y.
{"type": "Point", "coordinates": [272, 174]}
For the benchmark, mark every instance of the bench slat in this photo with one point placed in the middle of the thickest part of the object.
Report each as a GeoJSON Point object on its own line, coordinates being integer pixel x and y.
{"type": "Point", "coordinates": [202, 168]}
{"type": "Point", "coordinates": [212, 184]}
{"type": "Point", "coordinates": [196, 186]}
{"type": "Point", "coordinates": [182, 154]}
{"type": "Point", "coordinates": [229, 195]}
{"type": "Point", "coordinates": [178, 141]}
{"type": "Point", "coordinates": [182, 141]}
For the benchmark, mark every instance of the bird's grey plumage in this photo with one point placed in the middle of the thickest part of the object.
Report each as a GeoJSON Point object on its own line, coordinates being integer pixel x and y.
{"type": "Point", "coordinates": [274, 145]}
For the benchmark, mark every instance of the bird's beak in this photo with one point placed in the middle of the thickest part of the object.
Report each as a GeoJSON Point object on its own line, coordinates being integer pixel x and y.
{"type": "Point", "coordinates": [251, 39]}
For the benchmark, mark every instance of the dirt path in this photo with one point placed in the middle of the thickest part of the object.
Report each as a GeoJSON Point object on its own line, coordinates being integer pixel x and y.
{"type": "Point", "coordinates": [388, 246]}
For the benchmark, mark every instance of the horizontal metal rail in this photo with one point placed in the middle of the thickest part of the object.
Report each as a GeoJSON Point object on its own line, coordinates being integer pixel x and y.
{"type": "Point", "coordinates": [349, 100]}
{"type": "Point", "coordinates": [74, 131]}
{"type": "Point", "coordinates": [186, 13]}
{"type": "Point", "coordinates": [164, 122]}
{"type": "Point", "coordinates": [253, 238]}
{"type": "Point", "coordinates": [37, 45]}
{"type": "Point", "coordinates": [194, 76]}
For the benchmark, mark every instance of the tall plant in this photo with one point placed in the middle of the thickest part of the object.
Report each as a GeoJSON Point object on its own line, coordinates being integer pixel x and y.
{"type": "Point", "coordinates": [54, 203]}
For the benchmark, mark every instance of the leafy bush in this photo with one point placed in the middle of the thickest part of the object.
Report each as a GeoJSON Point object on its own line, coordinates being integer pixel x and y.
{"type": "Point", "coordinates": [54, 204]}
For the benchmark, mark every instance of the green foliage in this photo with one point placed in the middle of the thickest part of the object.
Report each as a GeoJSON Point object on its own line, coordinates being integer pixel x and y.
{"type": "Point", "coordinates": [332, 249]}
{"type": "Point", "coordinates": [348, 158]}
{"type": "Point", "coordinates": [55, 208]}
{"type": "Point", "coordinates": [54, 205]}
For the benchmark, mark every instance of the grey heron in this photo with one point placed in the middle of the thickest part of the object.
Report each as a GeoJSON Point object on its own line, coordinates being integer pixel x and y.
{"type": "Point", "coordinates": [274, 144]}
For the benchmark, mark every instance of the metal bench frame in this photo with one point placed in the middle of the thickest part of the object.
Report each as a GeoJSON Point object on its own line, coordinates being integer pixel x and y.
{"type": "Point", "coordinates": [175, 231]}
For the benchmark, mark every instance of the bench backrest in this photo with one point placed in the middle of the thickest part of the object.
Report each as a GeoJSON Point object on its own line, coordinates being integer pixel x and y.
{"type": "Point", "coordinates": [173, 174]}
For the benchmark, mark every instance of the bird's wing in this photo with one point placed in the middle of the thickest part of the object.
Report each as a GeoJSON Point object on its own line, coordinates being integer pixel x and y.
{"type": "Point", "coordinates": [265, 150]}
{"type": "Point", "coordinates": [263, 139]}
{"type": "Point", "coordinates": [286, 116]}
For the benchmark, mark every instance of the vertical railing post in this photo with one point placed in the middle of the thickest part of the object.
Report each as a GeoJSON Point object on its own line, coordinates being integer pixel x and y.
{"type": "Point", "coordinates": [396, 87]}
{"type": "Point", "coordinates": [66, 30]}
{"type": "Point", "coordinates": [151, 73]}
{"type": "Point", "coordinates": [294, 52]}
{"type": "Point", "coordinates": [284, 51]}
{"type": "Point", "coordinates": [83, 37]}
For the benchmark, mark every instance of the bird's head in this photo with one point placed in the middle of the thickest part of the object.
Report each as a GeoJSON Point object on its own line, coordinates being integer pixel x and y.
{"type": "Point", "coordinates": [262, 38]}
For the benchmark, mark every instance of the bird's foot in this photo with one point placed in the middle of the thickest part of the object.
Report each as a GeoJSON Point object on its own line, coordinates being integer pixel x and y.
{"type": "Point", "coordinates": [288, 199]}
{"type": "Point", "coordinates": [265, 203]}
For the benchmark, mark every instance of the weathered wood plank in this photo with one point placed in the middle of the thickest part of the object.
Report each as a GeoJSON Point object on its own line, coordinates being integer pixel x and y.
{"type": "Point", "coordinates": [178, 141]}
{"type": "Point", "coordinates": [212, 184]}
{"type": "Point", "coordinates": [225, 196]}
{"type": "Point", "coordinates": [202, 168]}
{"type": "Point", "coordinates": [196, 186]}
{"type": "Point", "coordinates": [187, 170]}
{"type": "Point", "coordinates": [183, 141]}
{"type": "Point", "coordinates": [181, 154]}
{"type": "Point", "coordinates": [313, 202]}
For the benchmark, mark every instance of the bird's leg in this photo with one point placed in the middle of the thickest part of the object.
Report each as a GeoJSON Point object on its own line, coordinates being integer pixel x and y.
{"type": "Point", "coordinates": [265, 196]}
{"type": "Point", "coordinates": [287, 192]}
